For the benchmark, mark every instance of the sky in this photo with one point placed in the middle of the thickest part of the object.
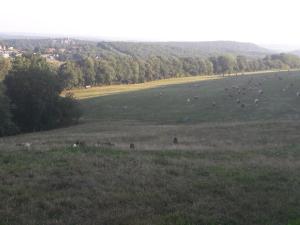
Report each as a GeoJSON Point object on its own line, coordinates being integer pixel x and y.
{"type": "Point", "coordinates": [267, 22]}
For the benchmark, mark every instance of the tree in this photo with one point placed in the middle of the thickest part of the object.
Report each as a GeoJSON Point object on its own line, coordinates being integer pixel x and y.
{"type": "Point", "coordinates": [292, 61]}
{"type": "Point", "coordinates": [7, 127]}
{"type": "Point", "coordinates": [70, 110]}
{"type": "Point", "coordinates": [209, 67]}
{"type": "Point", "coordinates": [35, 97]}
{"type": "Point", "coordinates": [155, 67]}
{"type": "Point", "coordinates": [135, 72]}
{"type": "Point", "coordinates": [242, 63]}
{"type": "Point", "coordinates": [5, 66]}
{"type": "Point", "coordinates": [217, 68]}
{"type": "Point", "coordinates": [149, 74]}
{"type": "Point", "coordinates": [177, 69]}
{"type": "Point", "coordinates": [88, 69]}
{"type": "Point", "coordinates": [227, 63]}
{"type": "Point", "coordinates": [191, 66]}
{"type": "Point", "coordinates": [70, 75]}
{"type": "Point", "coordinates": [21, 63]}
{"type": "Point", "coordinates": [142, 71]}
{"type": "Point", "coordinates": [104, 72]}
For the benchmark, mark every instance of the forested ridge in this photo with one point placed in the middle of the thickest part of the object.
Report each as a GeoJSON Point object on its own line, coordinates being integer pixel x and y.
{"type": "Point", "coordinates": [82, 63]}
{"type": "Point", "coordinates": [139, 49]}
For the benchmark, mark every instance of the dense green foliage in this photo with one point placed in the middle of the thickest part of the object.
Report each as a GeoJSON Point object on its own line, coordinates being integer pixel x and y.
{"type": "Point", "coordinates": [86, 63]}
{"type": "Point", "coordinates": [186, 49]}
{"type": "Point", "coordinates": [5, 66]}
{"type": "Point", "coordinates": [7, 127]}
{"type": "Point", "coordinates": [34, 90]}
{"type": "Point", "coordinates": [71, 48]}
{"type": "Point", "coordinates": [127, 69]}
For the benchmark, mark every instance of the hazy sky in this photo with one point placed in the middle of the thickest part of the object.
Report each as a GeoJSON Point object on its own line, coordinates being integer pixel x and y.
{"type": "Point", "coordinates": [259, 21]}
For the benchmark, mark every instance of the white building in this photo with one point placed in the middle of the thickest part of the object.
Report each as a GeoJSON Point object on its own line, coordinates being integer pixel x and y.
{"type": "Point", "coordinates": [5, 55]}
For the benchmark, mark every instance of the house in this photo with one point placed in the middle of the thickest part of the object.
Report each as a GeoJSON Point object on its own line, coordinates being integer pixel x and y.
{"type": "Point", "coordinates": [62, 50]}
{"type": "Point", "coordinates": [50, 50]}
{"type": "Point", "coordinates": [5, 55]}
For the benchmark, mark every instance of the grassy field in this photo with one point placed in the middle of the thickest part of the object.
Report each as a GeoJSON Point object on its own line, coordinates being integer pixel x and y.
{"type": "Point", "coordinates": [237, 161]}
{"type": "Point", "coordinates": [184, 103]}
{"type": "Point", "coordinates": [117, 89]}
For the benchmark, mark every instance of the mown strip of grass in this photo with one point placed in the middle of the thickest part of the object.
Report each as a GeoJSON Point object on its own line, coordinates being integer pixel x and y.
{"type": "Point", "coordinates": [98, 91]}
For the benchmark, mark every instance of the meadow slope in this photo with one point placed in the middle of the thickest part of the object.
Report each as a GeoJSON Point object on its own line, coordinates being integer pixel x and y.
{"type": "Point", "coordinates": [237, 160]}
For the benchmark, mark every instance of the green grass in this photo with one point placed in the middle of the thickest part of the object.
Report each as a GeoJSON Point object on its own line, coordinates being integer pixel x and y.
{"type": "Point", "coordinates": [94, 186]}
{"type": "Point", "coordinates": [232, 165]}
{"type": "Point", "coordinates": [169, 104]}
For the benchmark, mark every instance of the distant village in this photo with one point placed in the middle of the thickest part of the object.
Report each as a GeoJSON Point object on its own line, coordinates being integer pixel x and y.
{"type": "Point", "coordinates": [8, 51]}
{"type": "Point", "coordinates": [53, 54]}
{"type": "Point", "coordinates": [50, 53]}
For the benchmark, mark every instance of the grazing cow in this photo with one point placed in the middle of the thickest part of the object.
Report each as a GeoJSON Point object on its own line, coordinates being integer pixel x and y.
{"type": "Point", "coordinates": [80, 144]}
{"type": "Point", "coordinates": [27, 145]}
{"type": "Point", "coordinates": [256, 101]}
{"type": "Point", "coordinates": [175, 141]}
{"type": "Point", "coordinates": [104, 144]}
{"type": "Point", "coordinates": [131, 146]}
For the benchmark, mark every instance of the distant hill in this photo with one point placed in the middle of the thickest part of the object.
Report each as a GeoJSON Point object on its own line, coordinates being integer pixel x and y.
{"type": "Point", "coordinates": [140, 49]}
{"type": "Point", "coordinates": [297, 52]}
{"type": "Point", "coordinates": [19, 36]}
{"type": "Point", "coordinates": [186, 49]}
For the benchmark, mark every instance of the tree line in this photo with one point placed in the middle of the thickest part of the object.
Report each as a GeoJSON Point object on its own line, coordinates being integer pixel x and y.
{"type": "Point", "coordinates": [127, 69]}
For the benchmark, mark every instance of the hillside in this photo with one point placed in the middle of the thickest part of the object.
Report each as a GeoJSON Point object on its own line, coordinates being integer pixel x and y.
{"type": "Point", "coordinates": [235, 162]}
{"type": "Point", "coordinates": [297, 52]}
{"type": "Point", "coordinates": [188, 49]}
{"type": "Point", "coordinates": [139, 49]}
